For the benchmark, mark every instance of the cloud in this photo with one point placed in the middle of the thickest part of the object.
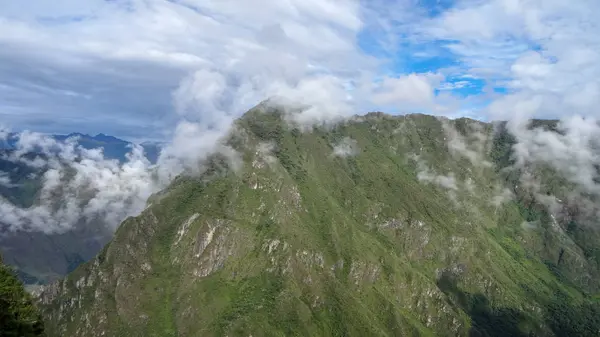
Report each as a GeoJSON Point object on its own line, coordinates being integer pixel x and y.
{"type": "Point", "coordinates": [445, 181]}
{"type": "Point", "coordinates": [455, 85]}
{"type": "Point", "coordinates": [529, 225]}
{"type": "Point", "coordinates": [543, 58]}
{"type": "Point", "coordinates": [544, 53]}
{"type": "Point", "coordinates": [185, 70]}
{"type": "Point", "coordinates": [347, 147]}
{"type": "Point", "coordinates": [574, 150]}
{"type": "Point", "coordinates": [502, 196]}
{"type": "Point", "coordinates": [425, 174]}
{"type": "Point", "coordinates": [78, 185]}
{"type": "Point", "coordinates": [264, 153]}
{"type": "Point", "coordinates": [570, 147]}
{"type": "Point", "coordinates": [120, 61]}
{"type": "Point", "coordinates": [205, 61]}
{"type": "Point", "coordinates": [5, 180]}
{"type": "Point", "coordinates": [471, 146]}
{"type": "Point", "coordinates": [255, 63]}
{"type": "Point", "coordinates": [412, 90]}
{"type": "Point", "coordinates": [116, 57]}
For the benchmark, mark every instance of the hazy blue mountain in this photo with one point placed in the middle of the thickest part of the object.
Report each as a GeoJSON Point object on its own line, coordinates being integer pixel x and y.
{"type": "Point", "coordinates": [114, 148]}
{"type": "Point", "coordinates": [38, 257]}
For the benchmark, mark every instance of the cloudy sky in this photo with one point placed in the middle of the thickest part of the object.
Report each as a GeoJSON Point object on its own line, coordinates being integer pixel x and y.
{"type": "Point", "coordinates": [137, 68]}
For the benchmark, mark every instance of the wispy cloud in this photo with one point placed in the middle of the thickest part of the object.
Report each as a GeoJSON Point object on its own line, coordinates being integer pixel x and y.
{"type": "Point", "coordinates": [428, 176]}
{"type": "Point", "coordinates": [119, 61]}
{"type": "Point", "coordinates": [472, 146]}
{"type": "Point", "coordinates": [77, 185]}
{"type": "Point", "coordinates": [347, 147]}
{"type": "Point", "coordinates": [543, 51]}
{"type": "Point", "coordinates": [573, 150]}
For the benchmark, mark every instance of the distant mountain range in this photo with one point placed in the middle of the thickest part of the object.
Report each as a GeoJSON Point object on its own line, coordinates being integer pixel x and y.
{"type": "Point", "coordinates": [39, 257]}
{"type": "Point", "coordinates": [114, 148]}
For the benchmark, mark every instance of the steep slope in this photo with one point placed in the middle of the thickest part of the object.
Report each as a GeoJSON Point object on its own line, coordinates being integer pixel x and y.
{"type": "Point", "coordinates": [18, 315]}
{"type": "Point", "coordinates": [380, 226]}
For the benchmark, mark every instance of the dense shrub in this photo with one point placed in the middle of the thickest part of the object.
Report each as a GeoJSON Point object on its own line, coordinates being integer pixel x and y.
{"type": "Point", "coordinates": [18, 316]}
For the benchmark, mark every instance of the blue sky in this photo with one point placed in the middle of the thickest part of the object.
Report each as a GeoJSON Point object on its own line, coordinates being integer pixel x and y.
{"type": "Point", "coordinates": [139, 68]}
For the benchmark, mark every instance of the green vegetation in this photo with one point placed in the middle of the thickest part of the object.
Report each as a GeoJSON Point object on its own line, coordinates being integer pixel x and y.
{"type": "Point", "coordinates": [403, 237]}
{"type": "Point", "coordinates": [18, 316]}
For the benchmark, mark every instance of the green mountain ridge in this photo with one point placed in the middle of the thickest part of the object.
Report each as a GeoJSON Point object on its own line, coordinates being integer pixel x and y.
{"type": "Point", "coordinates": [378, 226]}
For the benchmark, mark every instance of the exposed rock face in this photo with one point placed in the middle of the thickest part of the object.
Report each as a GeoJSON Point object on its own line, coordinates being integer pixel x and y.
{"type": "Point", "coordinates": [407, 236]}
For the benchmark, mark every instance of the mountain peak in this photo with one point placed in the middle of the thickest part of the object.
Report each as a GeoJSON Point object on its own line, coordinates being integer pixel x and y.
{"type": "Point", "coordinates": [70, 135]}
{"type": "Point", "coordinates": [373, 227]}
{"type": "Point", "coordinates": [103, 137]}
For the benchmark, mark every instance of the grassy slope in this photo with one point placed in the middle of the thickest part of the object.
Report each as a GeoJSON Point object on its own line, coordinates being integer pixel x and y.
{"type": "Point", "coordinates": [312, 244]}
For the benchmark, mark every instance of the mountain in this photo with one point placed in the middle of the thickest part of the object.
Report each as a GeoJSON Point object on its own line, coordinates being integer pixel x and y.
{"type": "Point", "coordinates": [378, 226]}
{"type": "Point", "coordinates": [18, 315]}
{"type": "Point", "coordinates": [38, 257]}
{"type": "Point", "coordinates": [114, 148]}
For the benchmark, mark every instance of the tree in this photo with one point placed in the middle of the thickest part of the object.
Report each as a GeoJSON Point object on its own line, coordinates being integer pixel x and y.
{"type": "Point", "coordinates": [18, 316]}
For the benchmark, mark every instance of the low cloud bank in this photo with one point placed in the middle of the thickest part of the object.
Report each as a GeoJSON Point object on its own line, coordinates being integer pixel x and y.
{"type": "Point", "coordinates": [76, 185]}
{"type": "Point", "coordinates": [347, 147]}
{"type": "Point", "coordinates": [571, 147]}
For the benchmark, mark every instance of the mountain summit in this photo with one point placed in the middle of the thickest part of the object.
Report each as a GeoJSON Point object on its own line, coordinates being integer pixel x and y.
{"type": "Point", "coordinates": [378, 226]}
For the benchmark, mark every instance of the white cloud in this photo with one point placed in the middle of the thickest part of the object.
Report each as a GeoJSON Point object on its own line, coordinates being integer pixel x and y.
{"type": "Point", "coordinates": [78, 185]}
{"type": "Point", "coordinates": [573, 151]}
{"type": "Point", "coordinates": [413, 90]}
{"type": "Point", "coordinates": [116, 58]}
{"type": "Point", "coordinates": [427, 175]}
{"type": "Point", "coordinates": [119, 61]}
{"type": "Point", "coordinates": [455, 85]}
{"type": "Point", "coordinates": [126, 65]}
{"type": "Point", "coordinates": [264, 152]}
{"type": "Point", "coordinates": [446, 181]}
{"type": "Point", "coordinates": [543, 51]}
{"type": "Point", "coordinates": [501, 196]}
{"type": "Point", "coordinates": [472, 146]}
{"type": "Point", "coordinates": [5, 180]}
{"type": "Point", "coordinates": [346, 147]}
